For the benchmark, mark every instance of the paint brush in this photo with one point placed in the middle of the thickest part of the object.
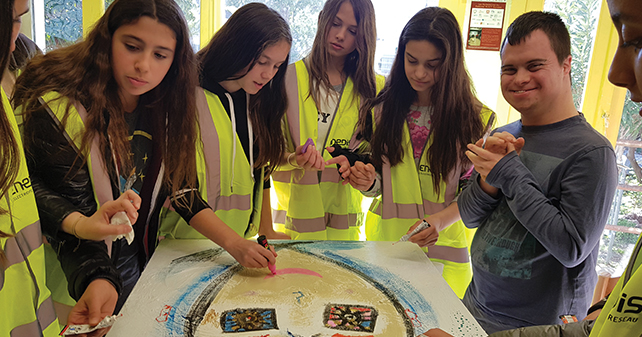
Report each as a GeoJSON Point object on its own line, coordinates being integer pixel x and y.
{"type": "Point", "coordinates": [262, 240]}
{"type": "Point", "coordinates": [423, 225]}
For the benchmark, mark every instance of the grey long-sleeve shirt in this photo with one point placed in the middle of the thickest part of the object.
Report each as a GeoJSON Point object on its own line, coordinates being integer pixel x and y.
{"type": "Point", "coordinates": [536, 246]}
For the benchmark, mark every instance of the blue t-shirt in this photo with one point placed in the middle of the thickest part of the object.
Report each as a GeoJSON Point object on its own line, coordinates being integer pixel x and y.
{"type": "Point", "coordinates": [536, 246]}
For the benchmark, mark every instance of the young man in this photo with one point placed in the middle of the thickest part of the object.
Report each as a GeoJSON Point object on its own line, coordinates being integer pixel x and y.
{"type": "Point", "coordinates": [539, 211]}
{"type": "Point", "coordinates": [622, 314]}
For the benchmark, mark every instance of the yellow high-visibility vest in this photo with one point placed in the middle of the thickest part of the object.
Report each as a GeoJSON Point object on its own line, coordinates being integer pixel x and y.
{"type": "Point", "coordinates": [407, 196]}
{"type": "Point", "coordinates": [313, 206]}
{"type": "Point", "coordinates": [26, 301]}
{"type": "Point", "coordinates": [225, 181]}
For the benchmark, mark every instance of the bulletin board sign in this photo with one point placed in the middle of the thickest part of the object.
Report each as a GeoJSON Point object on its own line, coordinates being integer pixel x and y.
{"type": "Point", "coordinates": [486, 25]}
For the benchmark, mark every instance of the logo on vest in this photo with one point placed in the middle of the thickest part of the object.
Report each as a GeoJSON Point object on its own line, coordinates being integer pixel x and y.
{"type": "Point", "coordinates": [631, 306]}
{"type": "Point", "coordinates": [424, 168]}
{"type": "Point", "coordinates": [341, 142]}
{"type": "Point", "coordinates": [20, 189]}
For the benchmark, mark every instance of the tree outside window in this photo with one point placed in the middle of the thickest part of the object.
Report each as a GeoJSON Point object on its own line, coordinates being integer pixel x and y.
{"type": "Point", "coordinates": [580, 18]}
{"type": "Point", "coordinates": [301, 15]}
{"type": "Point", "coordinates": [63, 22]}
{"type": "Point", "coordinates": [625, 221]}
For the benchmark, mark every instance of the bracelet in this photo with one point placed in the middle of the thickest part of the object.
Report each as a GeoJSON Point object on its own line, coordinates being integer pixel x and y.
{"type": "Point", "coordinates": [73, 227]}
{"type": "Point", "coordinates": [290, 157]}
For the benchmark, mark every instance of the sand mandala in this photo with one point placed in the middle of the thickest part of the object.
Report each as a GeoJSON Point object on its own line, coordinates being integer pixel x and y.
{"type": "Point", "coordinates": [321, 289]}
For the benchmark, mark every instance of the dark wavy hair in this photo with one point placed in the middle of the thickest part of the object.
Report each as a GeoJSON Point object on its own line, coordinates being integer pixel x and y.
{"type": "Point", "coordinates": [238, 45]}
{"type": "Point", "coordinates": [9, 151]}
{"type": "Point", "coordinates": [359, 64]}
{"type": "Point", "coordinates": [83, 73]}
{"type": "Point", "coordinates": [550, 23]}
{"type": "Point", "coordinates": [455, 118]}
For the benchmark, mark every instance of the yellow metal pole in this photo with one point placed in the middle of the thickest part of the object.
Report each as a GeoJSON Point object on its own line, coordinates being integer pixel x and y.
{"type": "Point", "coordinates": [603, 102]}
{"type": "Point", "coordinates": [92, 10]}
{"type": "Point", "coordinates": [211, 19]}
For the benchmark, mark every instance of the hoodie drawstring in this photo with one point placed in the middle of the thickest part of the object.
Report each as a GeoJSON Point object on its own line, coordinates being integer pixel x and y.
{"type": "Point", "coordinates": [234, 136]}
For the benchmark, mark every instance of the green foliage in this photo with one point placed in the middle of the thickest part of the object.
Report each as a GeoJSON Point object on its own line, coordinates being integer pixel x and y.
{"type": "Point", "coordinates": [63, 22]}
{"type": "Point", "coordinates": [631, 124]}
{"type": "Point", "coordinates": [301, 15]}
{"type": "Point", "coordinates": [192, 11]}
{"type": "Point", "coordinates": [625, 239]}
{"type": "Point", "coordinates": [581, 20]}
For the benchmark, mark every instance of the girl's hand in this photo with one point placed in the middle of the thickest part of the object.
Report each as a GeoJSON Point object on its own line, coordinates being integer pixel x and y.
{"type": "Point", "coordinates": [343, 163]}
{"type": "Point", "coordinates": [426, 237]}
{"type": "Point", "coordinates": [97, 227]}
{"type": "Point", "coordinates": [362, 176]}
{"type": "Point", "coordinates": [435, 333]}
{"type": "Point", "coordinates": [250, 254]}
{"type": "Point", "coordinates": [97, 302]}
{"type": "Point", "coordinates": [310, 160]}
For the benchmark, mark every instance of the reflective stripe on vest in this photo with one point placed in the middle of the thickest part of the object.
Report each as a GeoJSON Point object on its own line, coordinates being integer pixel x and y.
{"type": "Point", "coordinates": [22, 275]}
{"type": "Point", "coordinates": [21, 245]}
{"type": "Point", "coordinates": [309, 203]}
{"type": "Point", "coordinates": [234, 205]}
{"type": "Point", "coordinates": [74, 128]}
{"type": "Point", "coordinates": [46, 317]}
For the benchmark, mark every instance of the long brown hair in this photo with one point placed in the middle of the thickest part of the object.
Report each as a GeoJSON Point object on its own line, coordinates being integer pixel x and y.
{"type": "Point", "coordinates": [83, 73]}
{"type": "Point", "coordinates": [455, 119]}
{"type": "Point", "coordinates": [9, 151]}
{"type": "Point", "coordinates": [359, 64]}
{"type": "Point", "coordinates": [238, 45]}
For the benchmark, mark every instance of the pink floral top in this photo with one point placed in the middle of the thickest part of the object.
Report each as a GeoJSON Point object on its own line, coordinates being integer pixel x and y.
{"type": "Point", "coordinates": [418, 120]}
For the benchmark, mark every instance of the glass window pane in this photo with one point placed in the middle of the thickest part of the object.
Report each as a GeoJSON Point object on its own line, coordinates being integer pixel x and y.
{"type": "Point", "coordinates": [192, 11]}
{"type": "Point", "coordinates": [581, 20]}
{"type": "Point", "coordinates": [392, 16]}
{"type": "Point", "coordinates": [302, 17]}
{"type": "Point", "coordinates": [63, 22]}
{"type": "Point", "coordinates": [625, 222]}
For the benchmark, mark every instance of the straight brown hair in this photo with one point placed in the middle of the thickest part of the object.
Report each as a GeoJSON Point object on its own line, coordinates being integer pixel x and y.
{"type": "Point", "coordinates": [9, 151]}
{"type": "Point", "coordinates": [359, 64]}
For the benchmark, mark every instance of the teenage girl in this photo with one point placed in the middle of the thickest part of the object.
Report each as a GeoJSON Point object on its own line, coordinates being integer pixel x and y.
{"type": "Point", "coordinates": [114, 109]}
{"type": "Point", "coordinates": [27, 308]}
{"type": "Point", "coordinates": [241, 103]}
{"type": "Point", "coordinates": [325, 91]}
{"type": "Point", "coordinates": [425, 116]}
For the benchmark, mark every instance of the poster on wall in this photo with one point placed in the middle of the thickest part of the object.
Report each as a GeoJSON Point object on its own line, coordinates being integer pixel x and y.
{"type": "Point", "coordinates": [320, 288]}
{"type": "Point", "coordinates": [486, 25]}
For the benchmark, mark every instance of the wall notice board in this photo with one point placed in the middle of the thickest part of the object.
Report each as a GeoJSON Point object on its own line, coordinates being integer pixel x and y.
{"type": "Point", "coordinates": [485, 25]}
